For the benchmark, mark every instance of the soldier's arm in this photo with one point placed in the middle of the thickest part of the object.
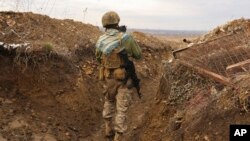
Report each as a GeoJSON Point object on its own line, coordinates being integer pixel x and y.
{"type": "Point", "coordinates": [132, 48]}
{"type": "Point", "coordinates": [98, 53]}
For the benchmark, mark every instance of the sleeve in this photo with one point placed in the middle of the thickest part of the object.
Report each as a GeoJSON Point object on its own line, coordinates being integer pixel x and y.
{"type": "Point", "coordinates": [132, 48]}
{"type": "Point", "coordinates": [98, 53]}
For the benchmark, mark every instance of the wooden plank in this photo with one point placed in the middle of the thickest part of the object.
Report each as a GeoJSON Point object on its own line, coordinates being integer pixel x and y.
{"type": "Point", "coordinates": [239, 67]}
{"type": "Point", "coordinates": [181, 49]}
{"type": "Point", "coordinates": [218, 78]}
{"type": "Point", "coordinates": [240, 64]}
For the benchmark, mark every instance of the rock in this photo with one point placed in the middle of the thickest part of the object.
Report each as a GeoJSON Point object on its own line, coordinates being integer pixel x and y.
{"type": "Point", "coordinates": [60, 92]}
{"type": "Point", "coordinates": [7, 101]}
{"type": "Point", "coordinates": [89, 72]}
{"type": "Point", "coordinates": [10, 22]}
{"type": "Point", "coordinates": [213, 90]}
{"type": "Point", "coordinates": [206, 138]}
{"type": "Point", "coordinates": [197, 137]}
{"type": "Point", "coordinates": [17, 123]}
{"type": "Point", "coordinates": [190, 45]}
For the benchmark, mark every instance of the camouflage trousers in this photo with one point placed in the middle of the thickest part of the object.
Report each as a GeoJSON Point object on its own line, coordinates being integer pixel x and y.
{"type": "Point", "coordinates": [117, 108]}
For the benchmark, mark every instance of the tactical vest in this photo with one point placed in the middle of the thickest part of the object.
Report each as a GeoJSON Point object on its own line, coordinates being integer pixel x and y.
{"type": "Point", "coordinates": [113, 60]}
{"type": "Point", "coordinates": [111, 64]}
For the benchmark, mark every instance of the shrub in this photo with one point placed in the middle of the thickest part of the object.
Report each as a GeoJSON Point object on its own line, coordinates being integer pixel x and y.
{"type": "Point", "coordinates": [48, 47]}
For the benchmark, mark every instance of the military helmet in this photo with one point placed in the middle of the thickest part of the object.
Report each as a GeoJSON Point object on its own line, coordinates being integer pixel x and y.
{"type": "Point", "coordinates": [110, 18]}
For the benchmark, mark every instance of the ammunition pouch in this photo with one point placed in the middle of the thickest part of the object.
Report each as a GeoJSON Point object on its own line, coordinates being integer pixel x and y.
{"type": "Point", "coordinates": [101, 73]}
{"type": "Point", "coordinates": [117, 74]}
{"type": "Point", "coordinates": [113, 60]}
{"type": "Point", "coordinates": [111, 66]}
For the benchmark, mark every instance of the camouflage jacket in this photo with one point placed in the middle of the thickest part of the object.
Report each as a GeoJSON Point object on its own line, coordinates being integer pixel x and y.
{"type": "Point", "coordinates": [113, 39]}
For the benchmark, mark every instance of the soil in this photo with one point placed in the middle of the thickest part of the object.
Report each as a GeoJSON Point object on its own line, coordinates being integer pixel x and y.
{"type": "Point", "coordinates": [50, 91]}
{"type": "Point", "coordinates": [50, 99]}
{"type": "Point", "coordinates": [192, 106]}
{"type": "Point", "coordinates": [55, 95]}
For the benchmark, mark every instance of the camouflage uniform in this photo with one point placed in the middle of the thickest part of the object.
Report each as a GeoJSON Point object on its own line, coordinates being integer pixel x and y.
{"type": "Point", "coordinates": [118, 96]}
{"type": "Point", "coordinates": [111, 40]}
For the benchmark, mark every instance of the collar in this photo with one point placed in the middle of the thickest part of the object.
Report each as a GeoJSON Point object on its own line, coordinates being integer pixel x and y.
{"type": "Point", "coordinates": [112, 32]}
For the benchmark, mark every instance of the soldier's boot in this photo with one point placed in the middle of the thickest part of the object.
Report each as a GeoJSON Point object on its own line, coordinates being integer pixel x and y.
{"type": "Point", "coordinates": [118, 136]}
{"type": "Point", "coordinates": [109, 132]}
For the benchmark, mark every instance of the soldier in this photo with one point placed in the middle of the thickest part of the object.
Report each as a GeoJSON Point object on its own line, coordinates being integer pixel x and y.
{"type": "Point", "coordinates": [111, 48]}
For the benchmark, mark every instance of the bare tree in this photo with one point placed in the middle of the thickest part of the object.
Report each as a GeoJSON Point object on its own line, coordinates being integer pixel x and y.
{"type": "Point", "coordinates": [84, 13]}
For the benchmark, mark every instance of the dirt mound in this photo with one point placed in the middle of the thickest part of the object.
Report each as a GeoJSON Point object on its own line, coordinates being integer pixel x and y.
{"type": "Point", "coordinates": [191, 101]}
{"type": "Point", "coordinates": [190, 107]}
{"type": "Point", "coordinates": [62, 36]}
{"type": "Point", "coordinates": [223, 54]}
{"type": "Point", "coordinates": [47, 98]}
{"type": "Point", "coordinates": [182, 93]}
{"type": "Point", "coordinates": [239, 25]}
{"type": "Point", "coordinates": [45, 90]}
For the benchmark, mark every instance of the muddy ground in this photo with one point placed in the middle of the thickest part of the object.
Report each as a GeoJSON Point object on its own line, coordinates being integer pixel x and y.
{"type": "Point", "coordinates": [49, 91]}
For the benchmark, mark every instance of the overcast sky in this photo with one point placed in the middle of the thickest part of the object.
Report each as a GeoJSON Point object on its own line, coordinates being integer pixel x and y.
{"type": "Point", "coordinates": [147, 14]}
